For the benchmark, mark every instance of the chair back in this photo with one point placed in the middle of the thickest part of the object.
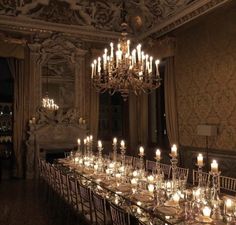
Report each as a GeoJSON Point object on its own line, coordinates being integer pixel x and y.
{"type": "Point", "coordinates": [64, 187]}
{"type": "Point", "coordinates": [73, 193]}
{"type": "Point", "coordinates": [85, 200]}
{"type": "Point", "coordinates": [99, 204]}
{"type": "Point", "coordinates": [181, 173]}
{"type": "Point", "coordinates": [228, 184]}
{"type": "Point", "coordinates": [151, 166]}
{"type": "Point", "coordinates": [205, 178]}
{"type": "Point", "coordinates": [137, 163]}
{"type": "Point", "coordinates": [129, 160]}
{"type": "Point", "coordinates": [165, 169]}
{"type": "Point", "coordinates": [119, 216]}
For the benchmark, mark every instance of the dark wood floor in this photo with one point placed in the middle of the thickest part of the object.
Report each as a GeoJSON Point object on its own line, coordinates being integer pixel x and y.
{"type": "Point", "coordinates": [24, 202]}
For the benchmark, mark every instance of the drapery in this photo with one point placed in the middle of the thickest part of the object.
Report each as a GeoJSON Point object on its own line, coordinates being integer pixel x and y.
{"type": "Point", "coordinates": [170, 102]}
{"type": "Point", "coordinates": [94, 112]}
{"type": "Point", "coordinates": [138, 121]}
{"type": "Point", "coordinates": [16, 67]}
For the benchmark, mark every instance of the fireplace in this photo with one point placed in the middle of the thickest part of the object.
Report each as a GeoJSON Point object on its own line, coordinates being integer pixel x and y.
{"type": "Point", "coordinates": [52, 133]}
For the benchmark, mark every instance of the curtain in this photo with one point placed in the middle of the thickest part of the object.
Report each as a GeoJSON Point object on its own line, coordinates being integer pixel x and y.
{"type": "Point", "coordinates": [20, 93]}
{"type": "Point", "coordinates": [94, 112]}
{"type": "Point", "coordinates": [170, 102]}
{"type": "Point", "coordinates": [138, 122]}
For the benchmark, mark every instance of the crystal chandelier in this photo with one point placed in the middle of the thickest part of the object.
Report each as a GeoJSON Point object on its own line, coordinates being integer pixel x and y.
{"type": "Point", "coordinates": [123, 70]}
{"type": "Point", "coordinates": [48, 103]}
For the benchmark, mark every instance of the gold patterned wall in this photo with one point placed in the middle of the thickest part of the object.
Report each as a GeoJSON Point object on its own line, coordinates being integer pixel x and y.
{"type": "Point", "coordinates": [206, 80]}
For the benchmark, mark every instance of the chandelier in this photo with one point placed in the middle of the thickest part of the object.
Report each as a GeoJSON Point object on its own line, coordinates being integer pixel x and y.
{"type": "Point", "coordinates": [123, 70]}
{"type": "Point", "coordinates": [48, 103]}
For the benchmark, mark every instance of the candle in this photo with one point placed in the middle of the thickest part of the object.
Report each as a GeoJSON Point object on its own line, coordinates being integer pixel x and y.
{"type": "Point", "coordinates": [111, 44]}
{"type": "Point", "coordinates": [151, 188]}
{"type": "Point", "coordinates": [91, 137]}
{"type": "Point", "coordinates": [176, 198]}
{"type": "Point", "coordinates": [206, 211]}
{"type": "Point", "coordinates": [157, 69]}
{"type": "Point", "coordinates": [114, 141]}
{"type": "Point", "coordinates": [79, 142]}
{"type": "Point", "coordinates": [122, 143]}
{"type": "Point", "coordinates": [99, 144]}
{"type": "Point", "coordinates": [158, 154]}
{"type": "Point", "coordinates": [141, 151]}
{"type": "Point", "coordinates": [85, 141]}
{"type": "Point", "coordinates": [174, 151]}
{"type": "Point", "coordinates": [200, 160]}
{"type": "Point", "coordinates": [214, 166]}
{"type": "Point", "coordinates": [228, 206]}
{"type": "Point", "coordinates": [128, 47]}
{"type": "Point", "coordinates": [92, 65]}
{"type": "Point", "coordinates": [150, 178]}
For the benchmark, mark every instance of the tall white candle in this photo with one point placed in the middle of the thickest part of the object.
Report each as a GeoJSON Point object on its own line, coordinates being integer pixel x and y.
{"type": "Point", "coordinates": [128, 47]}
{"type": "Point", "coordinates": [141, 150]}
{"type": "Point", "coordinates": [157, 67]}
{"type": "Point", "coordinates": [92, 65]}
{"type": "Point", "coordinates": [114, 141]}
{"type": "Point", "coordinates": [122, 143]}
{"type": "Point", "coordinates": [112, 54]}
{"type": "Point", "coordinates": [79, 142]}
{"type": "Point", "coordinates": [214, 166]}
{"type": "Point", "coordinates": [91, 137]}
{"type": "Point", "coordinates": [174, 150]}
{"type": "Point", "coordinates": [158, 154]}
{"type": "Point", "coordinates": [99, 64]}
{"type": "Point", "coordinates": [200, 160]}
{"type": "Point", "coordinates": [100, 144]}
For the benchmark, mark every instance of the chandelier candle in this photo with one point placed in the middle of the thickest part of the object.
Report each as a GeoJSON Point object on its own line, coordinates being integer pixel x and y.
{"type": "Point", "coordinates": [100, 150]}
{"type": "Point", "coordinates": [158, 158]}
{"type": "Point", "coordinates": [85, 146]}
{"type": "Point", "coordinates": [141, 154]}
{"type": "Point", "coordinates": [79, 144]}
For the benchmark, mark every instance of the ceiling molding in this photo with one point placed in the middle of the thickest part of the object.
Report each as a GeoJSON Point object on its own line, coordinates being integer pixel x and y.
{"type": "Point", "coordinates": [28, 26]}
{"type": "Point", "coordinates": [193, 11]}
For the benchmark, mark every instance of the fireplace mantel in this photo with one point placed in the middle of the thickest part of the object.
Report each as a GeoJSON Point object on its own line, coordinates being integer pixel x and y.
{"type": "Point", "coordinates": [51, 131]}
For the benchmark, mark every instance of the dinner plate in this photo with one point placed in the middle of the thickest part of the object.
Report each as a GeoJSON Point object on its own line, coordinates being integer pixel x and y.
{"type": "Point", "coordinates": [143, 197]}
{"type": "Point", "coordinates": [168, 211]}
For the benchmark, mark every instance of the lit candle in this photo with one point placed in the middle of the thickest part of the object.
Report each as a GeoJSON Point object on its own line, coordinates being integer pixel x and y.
{"type": "Point", "coordinates": [92, 65]}
{"type": "Point", "coordinates": [150, 178]}
{"type": "Point", "coordinates": [206, 211]}
{"type": "Point", "coordinates": [141, 151]}
{"type": "Point", "coordinates": [139, 52]}
{"type": "Point", "coordinates": [99, 65]}
{"type": "Point", "coordinates": [157, 67]}
{"type": "Point", "coordinates": [91, 137]}
{"type": "Point", "coordinates": [158, 154]}
{"type": "Point", "coordinates": [85, 141]}
{"type": "Point", "coordinates": [214, 166]}
{"type": "Point", "coordinates": [174, 151]}
{"type": "Point", "coordinates": [151, 59]}
{"type": "Point", "coordinates": [99, 144]}
{"type": "Point", "coordinates": [128, 47]}
{"type": "Point", "coordinates": [176, 198]}
{"type": "Point", "coordinates": [229, 205]}
{"type": "Point", "coordinates": [79, 142]}
{"type": "Point", "coordinates": [200, 160]}
{"type": "Point", "coordinates": [151, 188]}
{"type": "Point", "coordinates": [111, 44]}
{"type": "Point", "coordinates": [114, 141]}
{"type": "Point", "coordinates": [122, 143]}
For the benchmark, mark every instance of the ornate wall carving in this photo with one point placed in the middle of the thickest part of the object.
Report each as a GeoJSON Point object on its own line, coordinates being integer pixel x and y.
{"type": "Point", "coordinates": [206, 79]}
{"type": "Point", "coordinates": [66, 127]}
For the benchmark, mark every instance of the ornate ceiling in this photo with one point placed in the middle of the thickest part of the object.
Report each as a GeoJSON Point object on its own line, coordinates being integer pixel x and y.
{"type": "Point", "coordinates": [101, 18]}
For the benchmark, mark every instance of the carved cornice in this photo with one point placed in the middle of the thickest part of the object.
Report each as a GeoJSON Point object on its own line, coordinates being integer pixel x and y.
{"type": "Point", "coordinates": [194, 10]}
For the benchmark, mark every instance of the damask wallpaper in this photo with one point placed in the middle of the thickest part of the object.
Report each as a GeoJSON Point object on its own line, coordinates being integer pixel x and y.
{"type": "Point", "coordinates": [206, 80]}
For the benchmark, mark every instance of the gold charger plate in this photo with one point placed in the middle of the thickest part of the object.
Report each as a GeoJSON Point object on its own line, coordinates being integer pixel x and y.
{"type": "Point", "coordinates": [204, 219]}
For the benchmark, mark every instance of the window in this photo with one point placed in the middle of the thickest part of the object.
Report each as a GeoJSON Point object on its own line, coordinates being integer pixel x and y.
{"type": "Point", "coordinates": [157, 119]}
{"type": "Point", "coordinates": [112, 121]}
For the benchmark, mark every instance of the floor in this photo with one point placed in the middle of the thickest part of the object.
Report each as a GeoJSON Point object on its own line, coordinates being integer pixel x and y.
{"type": "Point", "coordinates": [24, 202]}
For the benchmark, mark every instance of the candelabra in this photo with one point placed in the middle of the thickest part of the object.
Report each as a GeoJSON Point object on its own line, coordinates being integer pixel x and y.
{"type": "Point", "coordinates": [199, 171]}
{"type": "Point", "coordinates": [215, 194]}
{"type": "Point", "coordinates": [114, 152]}
{"type": "Point", "coordinates": [174, 162]}
{"type": "Point", "coordinates": [122, 150]}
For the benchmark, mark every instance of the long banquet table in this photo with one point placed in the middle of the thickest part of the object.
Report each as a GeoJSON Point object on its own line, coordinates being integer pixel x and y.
{"type": "Point", "coordinates": [136, 199]}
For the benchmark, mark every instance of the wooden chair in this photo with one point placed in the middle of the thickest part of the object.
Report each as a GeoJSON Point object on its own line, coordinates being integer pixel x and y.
{"type": "Point", "coordinates": [86, 202]}
{"type": "Point", "coordinates": [119, 216]}
{"type": "Point", "coordinates": [181, 173]}
{"type": "Point", "coordinates": [150, 166]}
{"type": "Point", "coordinates": [228, 184]}
{"type": "Point", "coordinates": [102, 216]}
{"type": "Point", "coordinates": [205, 178]}
{"type": "Point", "coordinates": [73, 193]}
{"type": "Point", "coordinates": [128, 160]}
{"type": "Point", "coordinates": [136, 163]}
{"type": "Point", "coordinates": [165, 169]}
{"type": "Point", "coordinates": [64, 187]}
